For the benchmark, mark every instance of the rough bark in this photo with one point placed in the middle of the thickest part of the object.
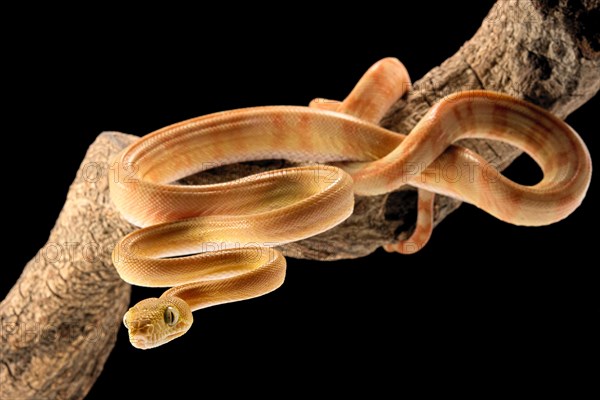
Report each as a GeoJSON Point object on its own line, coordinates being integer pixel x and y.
{"type": "Point", "coordinates": [59, 322]}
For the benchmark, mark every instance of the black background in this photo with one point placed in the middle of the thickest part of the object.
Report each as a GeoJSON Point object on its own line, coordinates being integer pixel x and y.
{"type": "Point", "coordinates": [481, 295]}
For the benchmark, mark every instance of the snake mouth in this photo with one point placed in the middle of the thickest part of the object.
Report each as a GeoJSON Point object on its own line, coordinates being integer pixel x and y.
{"type": "Point", "coordinates": [139, 343]}
{"type": "Point", "coordinates": [143, 343]}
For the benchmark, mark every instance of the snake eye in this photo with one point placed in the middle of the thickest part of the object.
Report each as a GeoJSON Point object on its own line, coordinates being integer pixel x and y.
{"type": "Point", "coordinates": [171, 316]}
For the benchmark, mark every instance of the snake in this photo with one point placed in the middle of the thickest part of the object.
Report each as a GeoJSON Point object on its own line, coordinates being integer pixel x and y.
{"type": "Point", "coordinates": [217, 243]}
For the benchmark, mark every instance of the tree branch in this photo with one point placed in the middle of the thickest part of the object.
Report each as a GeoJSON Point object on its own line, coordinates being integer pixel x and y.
{"type": "Point", "coordinates": [58, 323]}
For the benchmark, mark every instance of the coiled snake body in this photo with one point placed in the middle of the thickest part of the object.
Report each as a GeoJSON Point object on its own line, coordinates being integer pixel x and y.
{"type": "Point", "coordinates": [214, 244]}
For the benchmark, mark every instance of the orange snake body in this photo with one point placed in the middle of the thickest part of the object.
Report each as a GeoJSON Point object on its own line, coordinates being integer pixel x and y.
{"type": "Point", "coordinates": [214, 244]}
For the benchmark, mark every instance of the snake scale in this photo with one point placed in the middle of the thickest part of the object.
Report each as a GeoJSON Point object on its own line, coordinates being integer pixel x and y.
{"type": "Point", "coordinates": [213, 244]}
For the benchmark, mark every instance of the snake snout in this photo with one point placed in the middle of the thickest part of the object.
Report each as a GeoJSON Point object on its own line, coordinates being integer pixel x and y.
{"type": "Point", "coordinates": [138, 342]}
{"type": "Point", "coordinates": [140, 334]}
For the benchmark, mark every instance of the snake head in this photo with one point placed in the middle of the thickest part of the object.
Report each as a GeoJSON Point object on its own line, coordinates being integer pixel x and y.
{"type": "Point", "coordinates": [156, 321]}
